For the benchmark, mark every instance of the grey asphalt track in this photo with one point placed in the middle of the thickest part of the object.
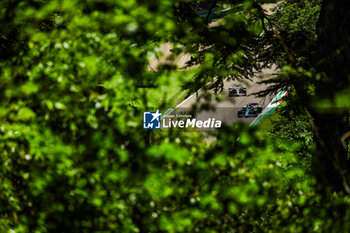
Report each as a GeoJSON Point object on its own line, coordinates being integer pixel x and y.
{"type": "Point", "coordinates": [226, 109]}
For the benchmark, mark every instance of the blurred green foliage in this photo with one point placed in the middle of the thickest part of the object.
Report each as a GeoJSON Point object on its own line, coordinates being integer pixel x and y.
{"type": "Point", "coordinates": [74, 157]}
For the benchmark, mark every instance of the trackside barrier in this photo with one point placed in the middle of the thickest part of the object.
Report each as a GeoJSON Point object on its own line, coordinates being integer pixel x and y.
{"type": "Point", "coordinates": [270, 107]}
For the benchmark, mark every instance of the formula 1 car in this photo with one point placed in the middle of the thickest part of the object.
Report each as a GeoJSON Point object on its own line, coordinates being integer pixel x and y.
{"type": "Point", "coordinates": [237, 90]}
{"type": "Point", "coordinates": [251, 110]}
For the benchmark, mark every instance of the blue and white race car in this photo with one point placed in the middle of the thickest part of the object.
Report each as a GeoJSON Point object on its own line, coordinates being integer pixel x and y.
{"type": "Point", "coordinates": [251, 110]}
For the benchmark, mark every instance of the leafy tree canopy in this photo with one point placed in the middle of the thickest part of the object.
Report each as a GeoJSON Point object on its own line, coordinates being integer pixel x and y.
{"type": "Point", "coordinates": [74, 81]}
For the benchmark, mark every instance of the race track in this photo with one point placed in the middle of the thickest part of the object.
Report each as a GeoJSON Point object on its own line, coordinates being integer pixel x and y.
{"type": "Point", "coordinates": [225, 109]}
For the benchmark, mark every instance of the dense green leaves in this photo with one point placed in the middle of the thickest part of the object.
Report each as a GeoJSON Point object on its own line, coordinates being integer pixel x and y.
{"type": "Point", "coordinates": [74, 81]}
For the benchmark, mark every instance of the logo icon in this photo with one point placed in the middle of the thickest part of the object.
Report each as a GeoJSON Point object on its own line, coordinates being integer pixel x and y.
{"type": "Point", "coordinates": [151, 120]}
